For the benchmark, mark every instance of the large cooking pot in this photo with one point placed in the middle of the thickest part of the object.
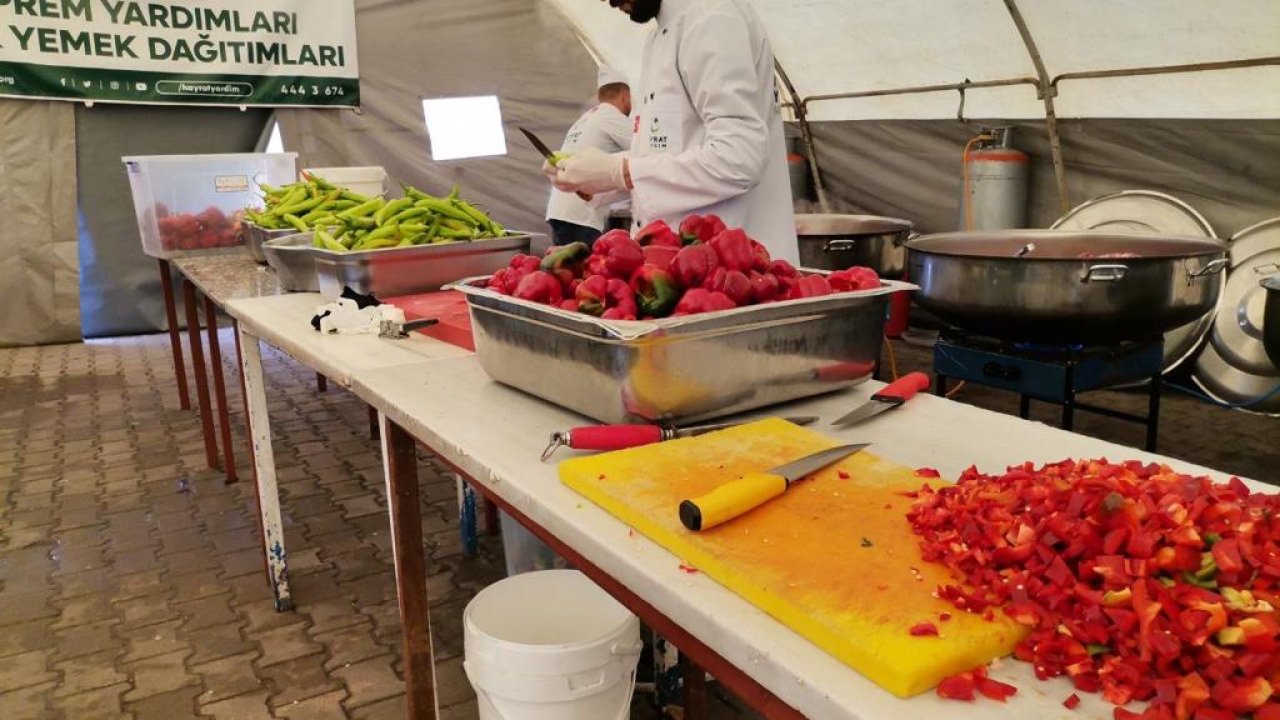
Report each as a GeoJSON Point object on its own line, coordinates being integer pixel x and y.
{"type": "Point", "coordinates": [836, 242]}
{"type": "Point", "coordinates": [1066, 287]}
{"type": "Point", "coordinates": [1271, 319]}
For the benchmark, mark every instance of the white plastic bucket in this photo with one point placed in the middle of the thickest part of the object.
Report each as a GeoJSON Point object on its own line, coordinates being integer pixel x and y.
{"type": "Point", "coordinates": [550, 645]}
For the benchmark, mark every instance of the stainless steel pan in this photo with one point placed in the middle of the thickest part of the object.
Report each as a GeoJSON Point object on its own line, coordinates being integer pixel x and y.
{"type": "Point", "coordinates": [1271, 319]}
{"type": "Point", "coordinates": [836, 242]}
{"type": "Point", "coordinates": [1071, 287]}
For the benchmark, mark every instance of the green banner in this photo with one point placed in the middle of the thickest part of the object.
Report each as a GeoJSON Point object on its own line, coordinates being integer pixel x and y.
{"type": "Point", "coordinates": [206, 52]}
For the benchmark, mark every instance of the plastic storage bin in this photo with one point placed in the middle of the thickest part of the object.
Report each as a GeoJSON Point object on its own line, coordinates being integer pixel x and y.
{"type": "Point", "coordinates": [190, 204]}
{"type": "Point", "coordinates": [370, 180]}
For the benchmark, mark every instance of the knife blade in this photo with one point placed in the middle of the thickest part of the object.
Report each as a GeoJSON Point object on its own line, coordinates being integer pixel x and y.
{"type": "Point", "coordinates": [618, 437]}
{"type": "Point", "coordinates": [751, 491]}
{"type": "Point", "coordinates": [540, 146]}
{"type": "Point", "coordinates": [890, 396]}
{"type": "Point", "coordinates": [550, 156]}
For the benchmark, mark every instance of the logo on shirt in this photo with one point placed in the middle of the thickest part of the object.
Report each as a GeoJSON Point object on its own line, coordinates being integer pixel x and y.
{"type": "Point", "coordinates": [658, 140]}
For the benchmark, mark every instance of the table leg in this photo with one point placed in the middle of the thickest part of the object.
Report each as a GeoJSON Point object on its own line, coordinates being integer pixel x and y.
{"type": "Point", "coordinates": [373, 422]}
{"type": "Point", "coordinates": [220, 390]}
{"type": "Point", "coordinates": [1069, 401]}
{"type": "Point", "coordinates": [1153, 413]}
{"type": "Point", "coordinates": [322, 383]}
{"type": "Point", "coordinates": [1024, 406]}
{"type": "Point", "coordinates": [694, 681]}
{"type": "Point", "coordinates": [175, 336]}
{"type": "Point", "coordinates": [248, 428]}
{"type": "Point", "coordinates": [265, 463]}
{"type": "Point", "coordinates": [198, 369]}
{"type": "Point", "coordinates": [400, 465]}
{"type": "Point", "coordinates": [492, 525]}
{"type": "Point", "coordinates": [940, 385]}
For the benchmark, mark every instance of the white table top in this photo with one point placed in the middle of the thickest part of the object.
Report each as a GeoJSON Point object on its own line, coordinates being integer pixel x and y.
{"type": "Point", "coordinates": [495, 434]}
{"type": "Point", "coordinates": [284, 321]}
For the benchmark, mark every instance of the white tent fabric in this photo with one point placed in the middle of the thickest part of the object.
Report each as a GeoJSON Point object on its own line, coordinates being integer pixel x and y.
{"type": "Point", "coordinates": [835, 46]}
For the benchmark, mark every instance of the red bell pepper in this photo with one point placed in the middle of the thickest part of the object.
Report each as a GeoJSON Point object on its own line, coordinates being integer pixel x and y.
{"type": "Point", "coordinates": [693, 264]}
{"type": "Point", "coordinates": [760, 256]}
{"type": "Point", "coordinates": [764, 287]}
{"type": "Point", "coordinates": [700, 228]}
{"type": "Point", "coordinates": [660, 256]}
{"type": "Point", "coordinates": [615, 255]}
{"type": "Point", "coordinates": [658, 232]}
{"type": "Point", "coordinates": [498, 281]}
{"type": "Point", "coordinates": [854, 278]}
{"type": "Point", "coordinates": [733, 283]}
{"type": "Point", "coordinates": [621, 301]}
{"type": "Point", "coordinates": [570, 304]}
{"type": "Point", "coordinates": [810, 286]}
{"type": "Point", "coordinates": [591, 295]}
{"type": "Point", "coordinates": [527, 263]}
{"type": "Point", "coordinates": [733, 248]}
{"type": "Point", "coordinates": [565, 257]}
{"type": "Point", "coordinates": [700, 300]}
{"type": "Point", "coordinates": [656, 292]}
{"type": "Point", "coordinates": [782, 268]}
{"type": "Point", "coordinates": [540, 287]}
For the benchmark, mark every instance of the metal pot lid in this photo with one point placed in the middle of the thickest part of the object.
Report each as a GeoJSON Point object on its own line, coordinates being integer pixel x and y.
{"type": "Point", "coordinates": [1150, 213]}
{"type": "Point", "coordinates": [1237, 331]}
{"type": "Point", "coordinates": [837, 225]}
{"type": "Point", "coordinates": [1136, 211]}
{"type": "Point", "coordinates": [1229, 384]}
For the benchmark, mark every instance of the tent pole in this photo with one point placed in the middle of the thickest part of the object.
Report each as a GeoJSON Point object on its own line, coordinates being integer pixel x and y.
{"type": "Point", "coordinates": [1047, 91]}
{"type": "Point", "coordinates": [806, 134]}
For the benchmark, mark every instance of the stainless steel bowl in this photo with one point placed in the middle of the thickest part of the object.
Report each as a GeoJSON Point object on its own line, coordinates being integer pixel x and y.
{"type": "Point", "coordinates": [1065, 289]}
{"type": "Point", "coordinates": [1271, 319]}
{"type": "Point", "coordinates": [683, 368]}
{"type": "Point", "coordinates": [255, 237]}
{"type": "Point", "coordinates": [292, 258]}
{"type": "Point", "coordinates": [836, 242]}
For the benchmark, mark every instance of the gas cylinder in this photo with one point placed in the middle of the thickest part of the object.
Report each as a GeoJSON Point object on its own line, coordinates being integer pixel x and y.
{"type": "Point", "coordinates": [994, 192]}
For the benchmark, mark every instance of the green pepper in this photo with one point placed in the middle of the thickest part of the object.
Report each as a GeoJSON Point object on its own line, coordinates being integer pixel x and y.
{"type": "Point", "coordinates": [378, 243]}
{"type": "Point", "coordinates": [320, 182]}
{"type": "Point", "coordinates": [453, 234]}
{"type": "Point", "coordinates": [392, 208]}
{"type": "Point", "coordinates": [269, 190]}
{"type": "Point", "coordinates": [355, 197]}
{"type": "Point", "coordinates": [412, 228]}
{"type": "Point", "coordinates": [458, 225]}
{"type": "Point", "coordinates": [415, 193]}
{"type": "Point", "coordinates": [453, 193]}
{"type": "Point", "coordinates": [295, 221]}
{"type": "Point", "coordinates": [328, 243]}
{"type": "Point", "coordinates": [413, 213]}
{"type": "Point", "coordinates": [442, 207]}
{"type": "Point", "coordinates": [562, 258]}
{"type": "Point", "coordinates": [382, 232]}
{"type": "Point", "coordinates": [363, 209]}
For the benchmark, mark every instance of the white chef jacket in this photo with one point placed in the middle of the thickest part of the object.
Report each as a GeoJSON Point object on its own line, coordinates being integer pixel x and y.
{"type": "Point", "coordinates": [708, 127]}
{"type": "Point", "coordinates": [605, 128]}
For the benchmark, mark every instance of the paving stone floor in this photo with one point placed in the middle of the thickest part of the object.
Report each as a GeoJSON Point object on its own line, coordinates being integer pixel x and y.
{"type": "Point", "coordinates": [130, 579]}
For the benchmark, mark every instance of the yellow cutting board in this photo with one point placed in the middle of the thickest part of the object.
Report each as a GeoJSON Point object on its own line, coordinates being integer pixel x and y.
{"type": "Point", "coordinates": [802, 557]}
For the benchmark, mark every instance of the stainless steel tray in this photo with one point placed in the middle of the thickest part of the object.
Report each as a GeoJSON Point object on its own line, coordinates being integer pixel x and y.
{"type": "Point", "coordinates": [679, 369]}
{"type": "Point", "coordinates": [421, 268]}
{"type": "Point", "coordinates": [255, 236]}
{"type": "Point", "coordinates": [292, 257]}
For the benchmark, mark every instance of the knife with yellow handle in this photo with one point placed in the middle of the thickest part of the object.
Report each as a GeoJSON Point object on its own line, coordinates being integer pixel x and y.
{"type": "Point", "coordinates": [751, 491]}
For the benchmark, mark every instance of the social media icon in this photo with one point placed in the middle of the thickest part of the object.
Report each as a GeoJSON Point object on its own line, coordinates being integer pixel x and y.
{"type": "Point", "coordinates": [115, 85]}
{"type": "Point", "coordinates": [140, 87]}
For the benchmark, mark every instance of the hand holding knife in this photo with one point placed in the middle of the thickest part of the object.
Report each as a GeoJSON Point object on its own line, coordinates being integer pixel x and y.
{"type": "Point", "coordinates": [553, 158]}
{"type": "Point", "coordinates": [618, 437]}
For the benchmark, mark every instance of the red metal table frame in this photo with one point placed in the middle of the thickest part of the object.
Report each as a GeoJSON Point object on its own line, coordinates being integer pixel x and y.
{"type": "Point", "coordinates": [400, 462]}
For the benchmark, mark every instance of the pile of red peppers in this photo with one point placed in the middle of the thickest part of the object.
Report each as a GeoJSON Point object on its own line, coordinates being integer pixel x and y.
{"type": "Point", "coordinates": [1136, 581]}
{"type": "Point", "coordinates": [660, 272]}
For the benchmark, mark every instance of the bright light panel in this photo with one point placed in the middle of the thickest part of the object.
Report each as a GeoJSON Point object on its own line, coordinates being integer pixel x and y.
{"type": "Point", "coordinates": [275, 144]}
{"type": "Point", "coordinates": [464, 127]}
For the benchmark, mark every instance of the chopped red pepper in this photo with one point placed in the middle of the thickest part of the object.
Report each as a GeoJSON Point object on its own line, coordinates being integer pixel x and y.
{"type": "Point", "coordinates": [924, 629]}
{"type": "Point", "coordinates": [927, 472]}
{"type": "Point", "coordinates": [957, 687]}
{"type": "Point", "coordinates": [1072, 702]}
{"type": "Point", "coordinates": [995, 689]}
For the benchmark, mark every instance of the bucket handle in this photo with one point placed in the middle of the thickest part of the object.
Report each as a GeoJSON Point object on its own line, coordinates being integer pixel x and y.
{"type": "Point", "coordinates": [1104, 273]}
{"type": "Point", "coordinates": [1268, 269]}
{"type": "Point", "coordinates": [1213, 267]}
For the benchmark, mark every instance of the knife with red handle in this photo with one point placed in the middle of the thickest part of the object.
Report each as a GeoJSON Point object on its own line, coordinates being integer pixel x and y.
{"type": "Point", "coordinates": [618, 437]}
{"type": "Point", "coordinates": [890, 396]}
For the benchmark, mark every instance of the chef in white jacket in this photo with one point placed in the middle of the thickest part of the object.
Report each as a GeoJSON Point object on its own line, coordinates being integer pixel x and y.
{"type": "Point", "coordinates": [605, 127]}
{"type": "Point", "coordinates": [708, 129]}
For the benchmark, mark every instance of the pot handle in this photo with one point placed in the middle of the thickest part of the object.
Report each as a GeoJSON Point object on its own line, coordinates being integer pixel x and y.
{"type": "Point", "coordinates": [1104, 273]}
{"type": "Point", "coordinates": [1212, 268]}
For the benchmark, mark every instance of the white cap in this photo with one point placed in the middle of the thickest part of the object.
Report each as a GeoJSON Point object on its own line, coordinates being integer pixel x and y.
{"type": "Point", "coordinates": [608, 76]}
